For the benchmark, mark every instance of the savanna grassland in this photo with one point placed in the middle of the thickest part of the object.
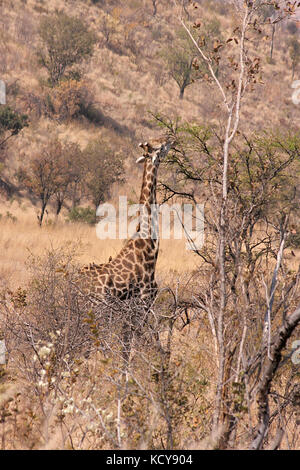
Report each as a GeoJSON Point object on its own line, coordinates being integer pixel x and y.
{"type": "Point", "coordinates": [86, 81]}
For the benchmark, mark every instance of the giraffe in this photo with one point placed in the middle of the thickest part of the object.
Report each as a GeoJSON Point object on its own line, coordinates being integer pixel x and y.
{"type": "Point", "coordinates": [132, 271]}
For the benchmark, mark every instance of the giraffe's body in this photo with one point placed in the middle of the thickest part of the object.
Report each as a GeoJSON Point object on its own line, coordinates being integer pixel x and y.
{"type": "Point", "coordinates": [132, 271]}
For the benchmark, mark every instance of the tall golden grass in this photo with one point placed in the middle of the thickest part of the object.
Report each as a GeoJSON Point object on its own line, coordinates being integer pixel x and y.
{"type": "Point", "coordinates": [22, 237]}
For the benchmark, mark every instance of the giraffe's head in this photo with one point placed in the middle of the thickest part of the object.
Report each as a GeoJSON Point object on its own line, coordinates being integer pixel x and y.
{"type": "Point", "coordinates": [156, 149]}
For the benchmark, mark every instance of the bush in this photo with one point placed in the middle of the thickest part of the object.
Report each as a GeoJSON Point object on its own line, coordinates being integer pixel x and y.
{"type": "Point", "coordinates": [85, 215]}
{"type": "Point", "coordinates": [47, 314]}
{"type": "Point", "coordinates": [67, 100]}
{"type": "Point", "coordinates": [12, 121]}
{"type": "Point", "coordinates": [9, 216]}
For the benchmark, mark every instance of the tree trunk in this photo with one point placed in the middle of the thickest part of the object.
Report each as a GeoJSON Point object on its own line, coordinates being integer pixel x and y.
{"type": "Point", "coordinates": [154, 3]}
{"type": "Point", "coordinates": [41, 216]}
{"type": "Point", "coordinates": [272, 41]}
{"type": "Point", "coordinates": [59, 204]}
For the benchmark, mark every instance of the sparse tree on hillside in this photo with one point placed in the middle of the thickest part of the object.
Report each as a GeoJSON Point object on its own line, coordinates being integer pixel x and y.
{"type": "Point", "coordinates": [180, 57]}
{"type": "Point", "coordinates": [62, 171]}
{"type": "Point", "coordinates": [66, 41]}
{"type": "Point", "coordinates": [102, 169]}
{"type": "Point", "coordinates": [294, 50]}
{"type": "Point", "coordinates": [67, 160]}
{"type": "Point", "coordinates": [110, 26]}
{"type": "Point", "coordinates": [268, 13]}
{"type": "Point", "coordinates": [180, 64]}
{"type": "Point", "coordinates": [49, 174]}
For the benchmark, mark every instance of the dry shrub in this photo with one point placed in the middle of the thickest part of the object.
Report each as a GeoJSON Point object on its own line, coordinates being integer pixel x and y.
{"type": "Point", "coordinates": [25, 28]}
{"type": "Point", "coordinates": [45, 335]}
{"type": "Point", "coordinates": [48, 310]}
{"type": "Point", "coordinates": [95, 374]}
{"type": "Point", "coordinates": [67, 100]}
{"type": "Point", "coordinates": [31, 104]}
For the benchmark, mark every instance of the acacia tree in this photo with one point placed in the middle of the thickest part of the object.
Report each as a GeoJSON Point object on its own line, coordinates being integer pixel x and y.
{"type": "Point", "coordinates": [182, 59]}
{"type": "Point", "coordinates": [49, 174]}
{"type": "Point", "coordinates": [294, 50]}
{"type": "Point", "coordinates": [249, 185]}
{"type": "Point", "coordinates": [102, 168]}
{"type": "Point", "coordinates": [268, 13]}
{"type": "Point", "coordinates": [68, 160]}
{"type": "Point", "coordinates": [66, 41]}
{"type": "Point", "coordinates": [179, 61]}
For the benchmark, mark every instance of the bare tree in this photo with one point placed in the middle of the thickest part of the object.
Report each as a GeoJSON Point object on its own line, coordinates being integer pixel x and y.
{"type": "Point", "coordinates": [233, 222]}
{"type": "Point", "coordinates": [51, 174]}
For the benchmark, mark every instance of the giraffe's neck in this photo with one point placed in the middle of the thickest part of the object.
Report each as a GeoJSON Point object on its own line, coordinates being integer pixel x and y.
{"type": "Point", "coordinates": [149, 211]}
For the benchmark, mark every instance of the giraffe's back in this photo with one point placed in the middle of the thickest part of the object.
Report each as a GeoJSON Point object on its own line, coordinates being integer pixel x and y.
{"type": "Point", "coordinates": [130, 273]}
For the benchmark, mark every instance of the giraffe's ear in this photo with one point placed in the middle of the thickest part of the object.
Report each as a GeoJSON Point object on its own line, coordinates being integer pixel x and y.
{"type": "Point", "coordinates": [140, 159]}
{"type": "Point", "coordinates": [143, 145]}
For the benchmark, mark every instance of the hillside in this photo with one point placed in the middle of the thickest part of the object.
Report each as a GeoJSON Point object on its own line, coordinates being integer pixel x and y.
{"type": "Point", "coordinates": [126, 77]}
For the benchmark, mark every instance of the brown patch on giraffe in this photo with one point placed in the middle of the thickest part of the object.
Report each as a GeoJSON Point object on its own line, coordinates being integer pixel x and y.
{"type": "Point", "coordinates": [131, 257]}
{"type": "Point", "coordinates": [118, 266]}
{"type": "Point", "coordinates": [139, 271]}
{"type": "Point", "coordinates": [150, 246]}
{"type": "Point", "coordinates": [129, 245]}
{"type": "Point", "coordinates": [139, 257]}
{"type": "Point", "coordinates": [104, 270]}
{"type": "Point", "coordinates": [93, 274]}
{"type": "Point", "coordinates": [127, 264]}
{"type": "Point", "coordinates": [119, 286]}
{"type": "Point", "coordinates": [140, 243]}
{"type": "Point", "coordinates": [149, 266]}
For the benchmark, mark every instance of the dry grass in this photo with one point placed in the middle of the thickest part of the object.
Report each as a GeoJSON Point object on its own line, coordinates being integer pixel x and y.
{"type": "Point", "coordinates": [21, 237]}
